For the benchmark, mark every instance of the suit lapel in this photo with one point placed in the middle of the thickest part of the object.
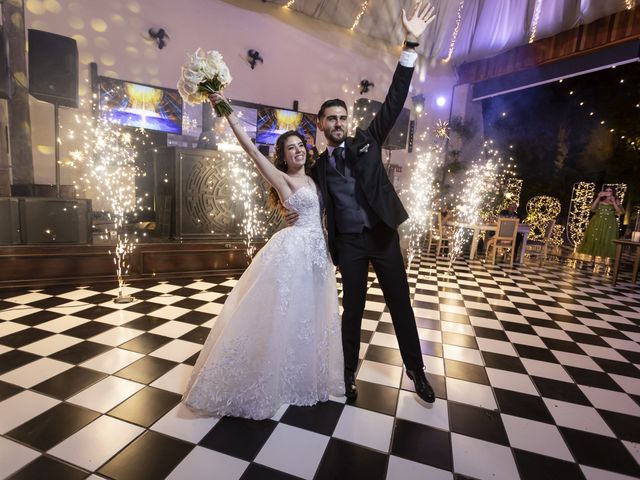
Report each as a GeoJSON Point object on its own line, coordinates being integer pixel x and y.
{"type": "Point", "coordinates": [348, 143]}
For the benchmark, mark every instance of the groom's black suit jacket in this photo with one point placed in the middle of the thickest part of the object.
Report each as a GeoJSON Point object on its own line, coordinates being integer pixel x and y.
{"type": "Point", "coordinates": [364, 154]}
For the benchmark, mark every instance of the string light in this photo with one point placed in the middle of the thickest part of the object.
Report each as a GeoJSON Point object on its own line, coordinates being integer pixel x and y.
{"type": "Point", "coordinates": [540, 210]}
{"type": "Point", "coordinates": [628, 4]}
{"type": "Point", "coordinates": [534, 20]}
{"type": "Point", "coordinates": [512, 192]}
{"type": "Point", "coordinates": [363, 8]}
{"type": "Point", "coordinates": [556, 235]}
{"type": "Point", "coordinates": [631, 143]}
{"type": "Point", "coordinates": [579, 208]}
{"type": "Point", "coordinates": [620, 189]}
{"type": "Point", "coordinates": [456, 30]}
{"type": "Point", "coordinates": [290, 4]}
{"type": "Point", "coordinates": [498, 190]}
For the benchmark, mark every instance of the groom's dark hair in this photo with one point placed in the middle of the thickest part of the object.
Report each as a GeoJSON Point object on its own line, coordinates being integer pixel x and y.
{"type": "Point", "coordinates": [334, 102]}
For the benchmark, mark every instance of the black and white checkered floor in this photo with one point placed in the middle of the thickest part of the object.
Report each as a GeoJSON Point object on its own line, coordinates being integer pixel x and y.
{"type": "Point", "coordinates": [536, 370]}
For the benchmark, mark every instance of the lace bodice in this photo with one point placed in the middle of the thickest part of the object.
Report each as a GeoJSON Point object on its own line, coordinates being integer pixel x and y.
{"type": "Point", "coordinates": [306, 204]}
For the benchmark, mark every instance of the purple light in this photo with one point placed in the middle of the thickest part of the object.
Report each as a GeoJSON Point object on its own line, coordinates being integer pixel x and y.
{"type": "Point", "coordinates": [441, 101]}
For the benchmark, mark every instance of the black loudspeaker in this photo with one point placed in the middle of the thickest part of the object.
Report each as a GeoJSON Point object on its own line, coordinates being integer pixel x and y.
{"type": "Point", "coordinates": [5, 79]}
{"type": "Point", "coordinates": [10, 225]}
{"type": "Point", "coordinates": [51, 220]}
{"type": "Point", "coordinates": [364, 108]}
{"type": "Point", "coordinates": [53, 68]}
{"type": "Point", "coordinates": [412, 131]}
{"type": "Point", "coordinates": [42, 190]}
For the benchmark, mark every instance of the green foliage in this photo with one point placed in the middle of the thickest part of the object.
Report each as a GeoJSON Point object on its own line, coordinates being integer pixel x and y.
{"type": "Point", "coordinates": [466, 130]}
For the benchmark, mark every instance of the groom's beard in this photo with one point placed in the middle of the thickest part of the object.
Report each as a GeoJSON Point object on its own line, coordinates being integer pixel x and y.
{"type": "Point", "coordinates": [336, 136]}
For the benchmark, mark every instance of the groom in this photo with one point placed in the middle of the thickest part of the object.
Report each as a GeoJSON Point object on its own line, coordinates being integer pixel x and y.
{"type": "Point", "coordinates": [364, 212]}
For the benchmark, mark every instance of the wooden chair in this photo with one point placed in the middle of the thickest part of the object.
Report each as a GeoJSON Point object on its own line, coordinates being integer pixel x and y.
{"type": "Point", "coordinates": [445, 236]}
{"type": "Point", "coordinates": [504, 239]}
{"type": "Point", "coordinates": [432, 235]}
{"type": "Point", "coordinates": [539, 248]}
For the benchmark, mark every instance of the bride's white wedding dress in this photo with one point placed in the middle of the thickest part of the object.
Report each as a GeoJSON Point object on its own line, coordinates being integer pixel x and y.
{"type": "Point", "coordinates": [277, 339]}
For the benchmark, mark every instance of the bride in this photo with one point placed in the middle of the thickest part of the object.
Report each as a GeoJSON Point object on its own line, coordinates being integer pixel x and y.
{"type": "Point", "coordinates": [277, 339]}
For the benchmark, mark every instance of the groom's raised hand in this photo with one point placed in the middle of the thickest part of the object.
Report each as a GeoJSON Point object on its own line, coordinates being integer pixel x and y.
{"type": "Point", "coordinates": [421, 16]}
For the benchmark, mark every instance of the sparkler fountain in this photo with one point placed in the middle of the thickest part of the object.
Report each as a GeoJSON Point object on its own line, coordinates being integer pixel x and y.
{"type": "Point", "coordinates": [248, 188]}
{"type": "Point", "coordinates": [108, 154]}
{"type": "Point", "coordinates": [481, 188]}
{"type": "Point", "coordinates": [421, 194]}
{"type": "Point", "coordinates": [422, 191]}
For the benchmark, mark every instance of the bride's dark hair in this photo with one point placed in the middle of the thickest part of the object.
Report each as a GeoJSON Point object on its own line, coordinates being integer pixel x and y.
{"type": "Point", "coordinates": [281, 164]}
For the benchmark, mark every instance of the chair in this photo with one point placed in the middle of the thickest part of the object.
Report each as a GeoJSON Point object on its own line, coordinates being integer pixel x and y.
{"type": "Point", "coordinates": [445, 236]}
{"type": "Point", "coordinates": [504, 239]}
{"type": "Point", "coordinates": [539, 247]}
{"type": "Point", "coordinates": [431, 236]}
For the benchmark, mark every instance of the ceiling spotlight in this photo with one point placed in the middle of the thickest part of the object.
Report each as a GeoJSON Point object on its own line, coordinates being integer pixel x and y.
{"type": "Point", "coordinates": [441, 101]}
{"type": "Point", "coordinates": [418, 103]}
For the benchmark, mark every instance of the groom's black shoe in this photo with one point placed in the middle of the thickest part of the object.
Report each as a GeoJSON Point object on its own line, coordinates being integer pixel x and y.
{"type": "Point", "coordinates": [423, 389]}
{"type": "Point", "coordinates": [350, 390]}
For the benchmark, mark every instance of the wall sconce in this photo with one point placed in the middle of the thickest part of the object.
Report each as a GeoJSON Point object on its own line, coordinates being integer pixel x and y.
{"type": "Point", "coordinates": [365, 86]}
{"type": "Point", "coordinates": [418, 103]}
{"type": "Point", "coordinates": [253, 57]}
{"type": "Point", "coordinates": [159, 36]}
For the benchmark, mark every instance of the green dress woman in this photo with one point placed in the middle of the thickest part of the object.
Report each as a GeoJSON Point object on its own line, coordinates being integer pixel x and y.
{"type": "Point", "coordinates": [603, 226]}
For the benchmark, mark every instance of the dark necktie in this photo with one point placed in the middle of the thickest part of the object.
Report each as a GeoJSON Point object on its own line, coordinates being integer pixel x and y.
{"type": "Point", "coordinates": [339, 158]}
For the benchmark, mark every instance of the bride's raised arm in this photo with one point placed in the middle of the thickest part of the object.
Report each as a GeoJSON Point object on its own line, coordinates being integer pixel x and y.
{"type": "Point", "coordinates": [277, 178]}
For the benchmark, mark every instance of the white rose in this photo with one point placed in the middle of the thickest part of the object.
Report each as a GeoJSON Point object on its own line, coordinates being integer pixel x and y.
{"type": "Point", "coordinates": [192, 76]}
{"type": "Point", "coordinates": [214, 57]}
{"type": "Point", "coordinates": [209, 70]}
{"type": "Point", "coordinates": [188, 87]}
{"type": "Point", "coordinates": [199, 67]}
{"type": "Point", "coordinates": [198, 55]}
{"type": "Point", "coordinates": [224, 76]}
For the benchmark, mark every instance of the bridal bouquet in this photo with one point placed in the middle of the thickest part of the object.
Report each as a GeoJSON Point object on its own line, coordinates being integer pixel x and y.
{"type": "Point", "coordinates": [204, 73]}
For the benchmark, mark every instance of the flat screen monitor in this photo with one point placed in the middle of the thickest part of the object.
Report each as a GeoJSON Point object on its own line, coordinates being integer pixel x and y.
{"type": "Point", "coordinates": [273, 122]}
{"type": "Point", "coordinates": [143, 106]}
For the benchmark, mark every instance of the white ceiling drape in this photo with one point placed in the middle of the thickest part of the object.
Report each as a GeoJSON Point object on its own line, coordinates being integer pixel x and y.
{"type": "Point", "coordinates": [487, 27]}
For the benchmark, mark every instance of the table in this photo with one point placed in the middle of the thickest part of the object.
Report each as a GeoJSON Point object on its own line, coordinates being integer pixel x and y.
{"type": "Point", "coordinates": [522, 228]}
{"type": "Point", "coordinates": [636, 260]}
